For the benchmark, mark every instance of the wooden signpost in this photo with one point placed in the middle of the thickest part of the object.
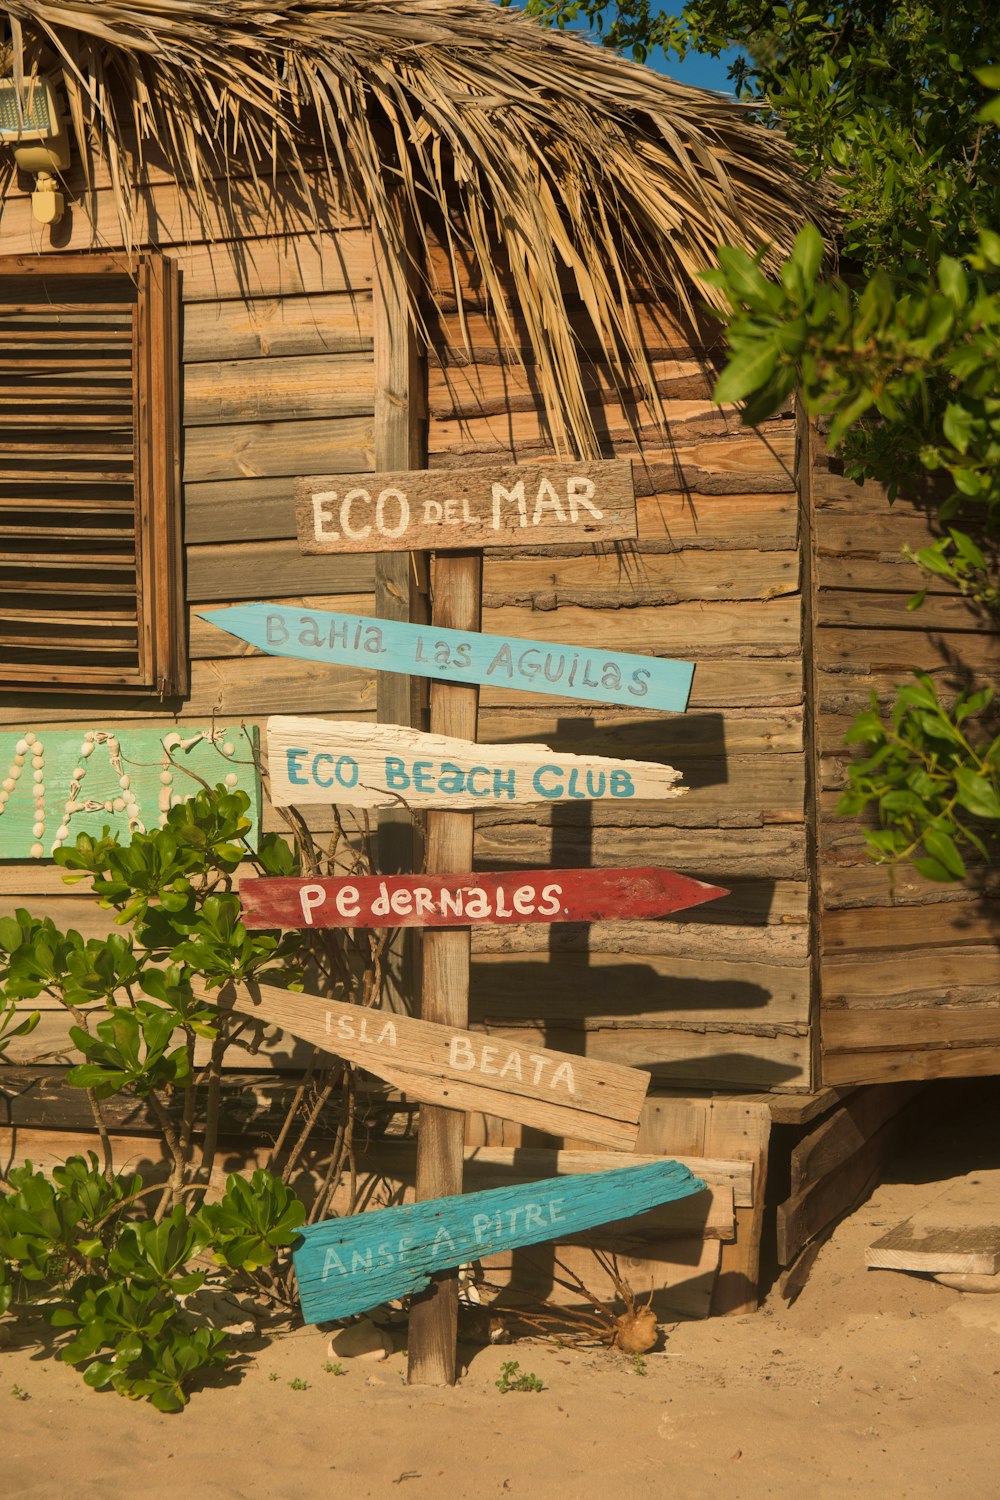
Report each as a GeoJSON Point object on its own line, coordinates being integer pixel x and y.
{"type": "Point", "coordinates": [58, 783]}
{"type": "Point", "coordinates": [449, 1066]}
{"type": "Point", "coordinates": [347, 1265]}
{"type": "Point", "coordinates": [471, 900]}
{"type": "Point", "coordinates": [457, 512]}
{"type": "Point", "coordinates": [503, 506]}
{"type": "Point", "coordinates": [384, 765]}
{"type": "Point", "coordinates": [580, 672]}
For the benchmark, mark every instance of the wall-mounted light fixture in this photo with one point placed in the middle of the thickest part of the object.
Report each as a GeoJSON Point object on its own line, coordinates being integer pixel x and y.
{"type": "Point", "coordinates": [32, 124]}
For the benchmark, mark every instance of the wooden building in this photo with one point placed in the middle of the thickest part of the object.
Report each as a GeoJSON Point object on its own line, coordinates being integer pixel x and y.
{"type": "Point", "coordinates": [424, 235]}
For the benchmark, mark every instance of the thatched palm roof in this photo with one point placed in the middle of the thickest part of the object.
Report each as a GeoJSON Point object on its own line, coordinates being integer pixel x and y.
{"type": "Point", "coordinates": [539, 149]}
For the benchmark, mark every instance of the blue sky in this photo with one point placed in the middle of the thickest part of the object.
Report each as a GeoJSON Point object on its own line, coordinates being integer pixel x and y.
{"type": "Point", "coordinates": [703, 72]}
{"type": "Point", "coordinates": [697, 69]}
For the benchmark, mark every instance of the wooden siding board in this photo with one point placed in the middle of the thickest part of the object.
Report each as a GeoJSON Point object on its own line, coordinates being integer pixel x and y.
{"type": "Point", "coordinates": [850, 878]}
{"type": "Point", "coordinates": [167, 216]}
{"type": "Point", "coordinates": [735, 460]}
{"type": "Point", "coordinates": [868, 609]}
{"type": "Point", "coordinates": [456, 390]}
{"type": "Point", "coordinates": [254, 450]}
{"type": "Point", "coordinates": [633, 579]}
{"type": "Point", "coordinates": [271, 390]}
{"type": "Point", "coordinates": [773, 855]}
{"type": "Point", "coordinates": [931, 976]}
{"type": "Point", "coordinates": [883, 929]}
{"type": "Point", "coordinates": [277, 266]}
{"type": "Point", "coordinates": [899, 1030]}
{"type": "Point", "coordinates": [864, 651]}
{"type": "Point", "coordinates": [729, 731]}
{"type": "Point", "coordinates": [770, 627]}
{"type": "Point", "coordinates": [918, 1062]}
{"type": "Point", "coordinates": [239, 510]}
{"type": "Point", "coordinates": [235, 688]}
{"type": "Point", "coordinates": [277, 327]}
{"type": "Point", "coordinates": [779, 942]}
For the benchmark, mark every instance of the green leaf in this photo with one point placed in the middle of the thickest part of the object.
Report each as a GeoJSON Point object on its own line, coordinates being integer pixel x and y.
{"type": "Point", "coordinates": [953, 280]}
{"type": "Point", "coordinates": [932, 869]}
{"type": "Point", "coordinates": [230, 853]}
{"type": "Point", "coordinates": [989, 245]}
{"type": "Point", "coordinates": [808, 252]}
{"type": "Point", "coordinates": [968, 550]}
{"type": "Point", "coordinates": [10, 934]}
{"type": "Point", "coordinates": [745, 374]}
{"type": "Point", "coordinates": [941, 846]}
{"type": "Point", "coordinates": [977, 795]}
{"type": "Point", "coordinates": [958, 426]}
{"type": "Point", "coordinates": [92, 1075]}
{"type": "Point", "coordinates": [98, 1375]}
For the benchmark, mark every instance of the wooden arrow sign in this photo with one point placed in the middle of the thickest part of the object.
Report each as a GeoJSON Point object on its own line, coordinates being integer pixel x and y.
{"type": "Point", "coordinates": [509, 505]}
{"type": "Point", "coordinates": [464, 1070]}
{"type": "Point", "coordinates": [472, 900]}
{"type": "Point", "coordinates": [385, 765]}
{"type": "Point", "coordinates": [460, 656]}
{"type": "Point", "coordinates": [346, 1265]}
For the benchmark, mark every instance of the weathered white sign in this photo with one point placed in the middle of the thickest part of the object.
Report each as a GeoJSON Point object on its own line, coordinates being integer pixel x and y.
{"type": "Point", "coordinates": [509, 506]}
{"type": "Point", "coordinates": [385, 765]}
{"type": "Point", "coordinates": [466, 1070]}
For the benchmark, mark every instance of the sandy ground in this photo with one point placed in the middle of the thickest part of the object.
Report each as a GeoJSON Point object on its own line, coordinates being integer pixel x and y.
{"type": "Point", "coordinates": [872, 1383]}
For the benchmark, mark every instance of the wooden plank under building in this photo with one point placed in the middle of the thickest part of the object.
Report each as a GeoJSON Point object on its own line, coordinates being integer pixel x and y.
{"type": "Point", "coordinates": [956, 1231]}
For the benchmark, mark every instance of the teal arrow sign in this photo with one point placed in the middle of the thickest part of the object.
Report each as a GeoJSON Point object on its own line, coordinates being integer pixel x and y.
{"type": "Point", "coordinates": [457, 656]}
{"type": "Point", "coordinates": [347, 1265]}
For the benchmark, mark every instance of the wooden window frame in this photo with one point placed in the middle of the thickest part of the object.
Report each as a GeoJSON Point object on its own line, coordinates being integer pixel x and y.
{"type": "Point", "coordinates": [162, 669]}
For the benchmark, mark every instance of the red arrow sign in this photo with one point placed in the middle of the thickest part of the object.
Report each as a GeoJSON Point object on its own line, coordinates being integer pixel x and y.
{"type": "Point", "coordinates": [472, 900]}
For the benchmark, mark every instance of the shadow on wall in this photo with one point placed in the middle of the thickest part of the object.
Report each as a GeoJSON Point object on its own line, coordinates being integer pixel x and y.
{"type": "Point", "coordinates": [693, 744]}
{"type": "Point", "coordinates": [562, 997]}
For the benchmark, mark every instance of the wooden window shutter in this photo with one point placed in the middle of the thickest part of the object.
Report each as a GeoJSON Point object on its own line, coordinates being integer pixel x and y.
{"type": "Point", "coordinates": [91, 587]}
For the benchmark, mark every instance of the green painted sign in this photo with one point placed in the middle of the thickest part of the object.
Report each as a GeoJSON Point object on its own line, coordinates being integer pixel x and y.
{"type": "Point", "coordinates": [56, 784]}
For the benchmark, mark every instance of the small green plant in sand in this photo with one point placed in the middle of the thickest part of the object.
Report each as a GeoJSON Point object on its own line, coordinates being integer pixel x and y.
{"type": "Point", "coordinates": [19, 1393]}
{"type": "Point", "coordinates": [115, 1269]}
{"type": "Point", "coordinates": [116, 1286]}
{"type": "Point", "coordinates": [298, 1385]}
{"type": "Point", "coordinates": [331, 1369]}
{"type": "Point", "coordinates": [513, 1378]}
{"type": "Point", "coordinates": [639, 1365]}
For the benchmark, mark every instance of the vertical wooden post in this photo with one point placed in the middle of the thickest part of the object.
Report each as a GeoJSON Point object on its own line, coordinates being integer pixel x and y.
{"type": "Point", "coordinates": [399, 444]}
{"type": "Point", "coordinates": [399, 429]}
{"type": "Point", "coordinates": [457, 604]}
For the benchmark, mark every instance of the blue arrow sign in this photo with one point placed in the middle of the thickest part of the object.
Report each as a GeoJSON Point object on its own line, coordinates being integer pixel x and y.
{"type": "Point", "coordinates": [457, 656]}
{"type": "Point", "coordinates": [347, 1265]}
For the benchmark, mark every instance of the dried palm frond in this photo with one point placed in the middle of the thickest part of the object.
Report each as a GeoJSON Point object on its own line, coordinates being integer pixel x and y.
{"type": "Point", "coordinates": [549, 158]}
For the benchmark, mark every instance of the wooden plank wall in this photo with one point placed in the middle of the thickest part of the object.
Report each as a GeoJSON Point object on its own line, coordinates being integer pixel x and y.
{"type": "Point", "coordinates": [281, 385]}
{"type": "Point", "coordinates": [910, 974]}
{"type": "Point", "coordinates": [278, 380]}
{"type": "Point", "coordinates": [718, 998]}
